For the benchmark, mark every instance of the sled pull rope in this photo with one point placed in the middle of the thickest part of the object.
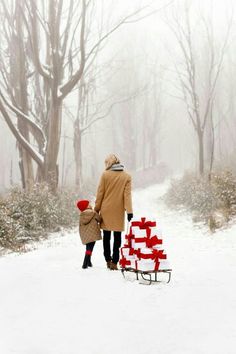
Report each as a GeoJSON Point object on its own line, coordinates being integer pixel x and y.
{"type": "Point", "coordinates": [127, 230]}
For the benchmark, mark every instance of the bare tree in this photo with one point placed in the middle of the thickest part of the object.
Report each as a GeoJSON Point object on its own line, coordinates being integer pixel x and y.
{"type": "Point", "coordinates": [53, 39]}
{"type": "Point", "coordinates": [199, 108]}
{"type": "Point", "coordinates": [34, 25]}
{"type": "Point", "coordinates": [16, 83]}
{"type": "Point", "coordinates": [155, 126]}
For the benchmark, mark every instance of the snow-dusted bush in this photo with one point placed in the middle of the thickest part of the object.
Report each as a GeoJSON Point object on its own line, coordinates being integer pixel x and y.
{"type": "Point", "coordinates": [26, 216]}
{"type": "Point", "coordinates": [206, 197]}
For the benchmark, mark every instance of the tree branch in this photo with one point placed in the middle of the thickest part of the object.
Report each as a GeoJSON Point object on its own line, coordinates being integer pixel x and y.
{"type": "Point", "coordinates": [35, 129]}
{"type": "Point", "coordinates": [38, 158]}
{"type": "Point", "coordinates": [66, 88]}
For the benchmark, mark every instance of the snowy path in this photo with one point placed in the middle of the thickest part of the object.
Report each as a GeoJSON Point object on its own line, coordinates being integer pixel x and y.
{"type": "Point", "coordinates": [49, 305]}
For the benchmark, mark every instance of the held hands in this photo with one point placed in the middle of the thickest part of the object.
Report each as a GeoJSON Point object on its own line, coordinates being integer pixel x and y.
{"type": "Point", "coordinates": [130, 216]}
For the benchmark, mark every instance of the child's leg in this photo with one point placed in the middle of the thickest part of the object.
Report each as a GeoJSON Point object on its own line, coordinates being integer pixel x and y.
{"type": "Point", "coordinates": [89, 251]}
{"type": "Point", "coordinates": [89, 247]}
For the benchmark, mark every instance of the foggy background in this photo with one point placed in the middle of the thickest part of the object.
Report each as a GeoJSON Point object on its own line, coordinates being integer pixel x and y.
{"type": "Point", "coordinates": [135, 103]}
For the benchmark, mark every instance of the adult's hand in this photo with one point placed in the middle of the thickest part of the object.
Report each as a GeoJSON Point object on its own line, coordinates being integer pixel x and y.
{"type": "Point", "coordinates": [129, 216]}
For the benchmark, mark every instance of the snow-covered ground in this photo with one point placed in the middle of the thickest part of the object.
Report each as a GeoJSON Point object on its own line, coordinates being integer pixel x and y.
{"type": "Point", "coordinates": [49, 305]}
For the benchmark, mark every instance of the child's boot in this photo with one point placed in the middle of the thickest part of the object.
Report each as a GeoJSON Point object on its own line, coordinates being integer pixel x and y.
{"type": "Point", "coordinates": [85, 263]}
{"type": "Point", "coordinates": [89, 261]}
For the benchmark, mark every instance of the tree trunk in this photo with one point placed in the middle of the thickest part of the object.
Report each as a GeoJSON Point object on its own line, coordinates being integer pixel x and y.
{"type": "Point", "coordinates": [77, 154]}
{"type": "Point", "coordinates": [26, 165]}
{"type": "Point", "coordinates": [129, 135]}
{"type": "Point", "coordinates": [53, 144]}
{"type": "Point", "coordinates": [201, 151]}
{"type": "Point", "coordinates": [18, 69]}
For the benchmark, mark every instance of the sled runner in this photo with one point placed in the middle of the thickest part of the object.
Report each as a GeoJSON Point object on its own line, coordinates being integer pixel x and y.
{"type": "Point", "coordinates": [149, 276]}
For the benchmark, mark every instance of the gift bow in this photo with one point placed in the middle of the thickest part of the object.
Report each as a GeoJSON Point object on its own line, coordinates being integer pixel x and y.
{"type": "Point", "coordinates": [124, 262]}
{"type": "Point", "coordinates": [143, 224]}
{"type": "Point", "coordinates": [129, 237]}
{"type": "Point", "coordinates": [159, 254]}
{"type": "Point", "coordinates": [153, 241]}
{"type": "Point", "coordinates": [155, 255]}
{"type": "Point", "coordinates": [141, 255]}
{"type": "Point", "coordinates": [150, 241]}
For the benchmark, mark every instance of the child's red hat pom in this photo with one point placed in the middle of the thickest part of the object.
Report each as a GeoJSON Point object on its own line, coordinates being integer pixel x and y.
{"type": "Point", "coordinates": [82, 204]}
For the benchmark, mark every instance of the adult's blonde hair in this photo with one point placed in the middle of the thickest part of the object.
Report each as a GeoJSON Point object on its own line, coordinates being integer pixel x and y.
{"type": "Point", "coordinates": [111, 160]}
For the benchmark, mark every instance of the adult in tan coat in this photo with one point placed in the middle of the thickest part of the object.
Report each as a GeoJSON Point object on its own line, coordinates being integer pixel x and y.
{"type": "Point", "coordinates": [112, 200]}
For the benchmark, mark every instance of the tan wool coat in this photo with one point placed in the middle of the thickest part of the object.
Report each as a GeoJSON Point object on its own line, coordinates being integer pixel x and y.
{"type": "Point", "coordinates": [113, 199]}
{"type": "Point", "coordinates": [89, 228]}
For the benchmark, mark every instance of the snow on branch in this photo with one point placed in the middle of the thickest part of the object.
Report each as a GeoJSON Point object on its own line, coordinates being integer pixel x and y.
{"type": "Point", "coordinates": [36, 156]}
{"type": "Point", "coordinates": [35, 129]}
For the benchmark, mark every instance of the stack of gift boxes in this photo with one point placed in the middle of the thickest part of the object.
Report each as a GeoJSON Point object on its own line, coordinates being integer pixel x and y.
{"type": "Point", "coordinates": [143, 249]}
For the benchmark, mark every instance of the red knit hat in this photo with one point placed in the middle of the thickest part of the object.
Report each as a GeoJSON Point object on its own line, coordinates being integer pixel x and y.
{"type": "Point", "coordinates": [82, 204]}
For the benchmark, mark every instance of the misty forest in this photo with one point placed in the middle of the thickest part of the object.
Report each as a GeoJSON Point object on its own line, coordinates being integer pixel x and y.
{"type": "Point", "coordinates": [151, 81]}
{"type": "Point", "coordinates": [117, 145]}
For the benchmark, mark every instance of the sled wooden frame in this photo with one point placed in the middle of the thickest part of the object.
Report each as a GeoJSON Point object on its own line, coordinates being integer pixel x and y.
{"type": "Point", "coordinates": [148, 274]}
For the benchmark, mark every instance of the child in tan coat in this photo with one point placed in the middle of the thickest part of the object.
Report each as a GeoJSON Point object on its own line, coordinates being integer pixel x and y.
{"type": "Point", "coordinates": [89, 229]}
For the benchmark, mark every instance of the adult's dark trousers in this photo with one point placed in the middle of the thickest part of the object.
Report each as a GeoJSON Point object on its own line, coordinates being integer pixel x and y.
{"type": "Point", "coordinates": [107, 246]}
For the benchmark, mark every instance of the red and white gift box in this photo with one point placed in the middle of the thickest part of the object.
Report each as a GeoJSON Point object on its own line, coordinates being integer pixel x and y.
{"type": "Point", "coordinates": [164, 264]}
{"type": "Point", "coordinates": [148, 266]}
{"type": "Point", "coordinates": [128, 253]}
{"type": "Point", "coordinates": [145, 255]}
{"type": "Point", "coordinates": [138, 243]}
{"type": "Point", "coordinates": [158, 247]}
{"type": "Point", "coordinates": [156, 231]}
{"type": "Point", "coordinates": [144, 232]}
{"type": "Point", "coordinates": [143, 242]}
{"type": "Point", "coordinates": [127, 263]}
{"type": "Point", "coordinates": [139, 232]}
{"type": "Point", "coordinates": [142, 265]}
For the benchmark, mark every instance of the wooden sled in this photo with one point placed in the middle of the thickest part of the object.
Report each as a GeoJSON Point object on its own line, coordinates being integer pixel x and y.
{"type": "Point", "coordinates": [149, 276]}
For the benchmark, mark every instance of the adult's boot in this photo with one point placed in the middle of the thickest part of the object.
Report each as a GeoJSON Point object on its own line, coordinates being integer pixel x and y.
{"type": "Point", "coordinates": [113, 266]}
